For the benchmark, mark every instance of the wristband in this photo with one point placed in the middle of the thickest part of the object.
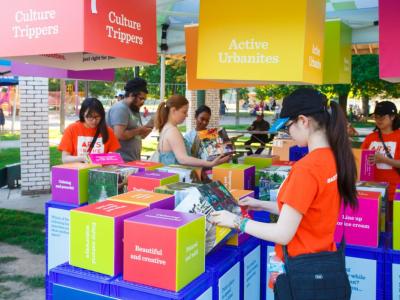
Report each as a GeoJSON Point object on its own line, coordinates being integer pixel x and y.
{"type": "Point", "coordinates": [236, 222]}
{"type": "Point", "coordinates": [243, 224]}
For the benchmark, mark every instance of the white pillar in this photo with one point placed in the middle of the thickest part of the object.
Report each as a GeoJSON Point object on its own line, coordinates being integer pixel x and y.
{"type": "Point", "coordinates": [162, 79]}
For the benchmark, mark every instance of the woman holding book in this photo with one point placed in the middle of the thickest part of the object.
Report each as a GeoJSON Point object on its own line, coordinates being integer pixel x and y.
{"type": "Point", "coordinates": [385, 141]}
{"type": "Point", "coordinates": [89, 134]}
{"type": "Point", "coordinates": [309, 200]}
{"type": "Point", "coordinates": [202, 117]}
{"type": "Point", "coordinates": [172, 147]}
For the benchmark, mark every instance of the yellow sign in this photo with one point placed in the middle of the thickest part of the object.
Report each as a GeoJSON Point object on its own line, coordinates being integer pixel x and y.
{"type": "Point", "coordinates": [261, 41]}
{"type": "Point", "coordinates": [70, 88]}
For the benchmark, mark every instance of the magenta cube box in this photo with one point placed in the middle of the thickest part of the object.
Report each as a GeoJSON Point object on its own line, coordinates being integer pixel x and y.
{"type": "Point", "coordinates": [149, 180]}
{"type": "Point", "coordinates": [362, 224]}
{"type": "Point", "coordinates": [70, 182]}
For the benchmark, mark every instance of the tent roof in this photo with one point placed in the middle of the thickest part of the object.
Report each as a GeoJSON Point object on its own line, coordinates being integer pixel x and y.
{"type": "Point", "coordinates": [360, 15]}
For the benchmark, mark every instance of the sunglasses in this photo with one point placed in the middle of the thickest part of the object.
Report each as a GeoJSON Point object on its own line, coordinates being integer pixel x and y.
{"type": "Point", "coordinates": [288, 124]}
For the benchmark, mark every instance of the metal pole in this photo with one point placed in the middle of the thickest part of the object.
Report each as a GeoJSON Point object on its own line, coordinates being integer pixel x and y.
{"type": "Point", "coordinates": [62, 105]}
{"type": "Point", "coordinates": [162, 79]}
{"type": "Point", "coordinates": [237, 107]}
{"type": "Point", "coordinates": [77, 102]}
{"type": "Point", "coordinates": [14, 112]}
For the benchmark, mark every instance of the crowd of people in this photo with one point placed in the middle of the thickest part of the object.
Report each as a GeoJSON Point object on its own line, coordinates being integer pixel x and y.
{"type": "Point", "coordinates": [309, 199]}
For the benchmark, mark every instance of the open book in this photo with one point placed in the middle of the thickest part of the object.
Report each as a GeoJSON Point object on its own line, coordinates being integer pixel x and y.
{"type": "Point", "coordinates": [214, 142]}
{"type": "Point", "coordinates": [206, 199]}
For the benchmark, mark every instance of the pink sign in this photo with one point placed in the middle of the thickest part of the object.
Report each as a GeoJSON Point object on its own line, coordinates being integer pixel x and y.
{"type": "Point", "coordinates": [79, 35]}
{"type": "Point", "coordinates": [389, 42]}
{"type": "Point", "coordinates": [361, 225]}
{"type": "Point", "coordinates": [106, 159]}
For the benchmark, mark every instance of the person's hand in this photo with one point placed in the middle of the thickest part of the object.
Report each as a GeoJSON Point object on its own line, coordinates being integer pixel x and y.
{"type": "Point", "coordinates": [224, 218]}
{"type": "Point", "coordinates": [144, 131]}
{"type": "Point", "coordinates": [221, 159]}
{"type": "Point", "coordinates": [251, 203]}
{"type": "Point", "coordinates": [379, 158]}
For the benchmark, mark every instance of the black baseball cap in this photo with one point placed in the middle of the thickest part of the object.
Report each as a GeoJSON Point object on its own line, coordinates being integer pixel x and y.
{"type": "Point", "coordinates": [303, 101]}
{"type": "Point", "coordinates": [385, 108]}
{"type": "Point", "coordinates": [136, 85]}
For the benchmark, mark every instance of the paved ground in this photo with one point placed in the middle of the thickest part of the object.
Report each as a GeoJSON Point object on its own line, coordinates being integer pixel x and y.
{"type": "Point", "coordinates": [12, 199]}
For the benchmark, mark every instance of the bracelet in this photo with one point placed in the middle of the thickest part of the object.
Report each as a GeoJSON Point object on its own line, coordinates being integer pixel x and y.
{"type": "Point", "coordinates": [243, 224]}
{"type": "Point", "coordinates": [236, 222]}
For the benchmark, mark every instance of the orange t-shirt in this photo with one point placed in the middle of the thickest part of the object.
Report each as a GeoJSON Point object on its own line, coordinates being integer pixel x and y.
{"type": "Point", "coordinates": [384, 172]}
{"type": "Point", "coordinates": [311, 188]}
{"type": "Point", "coordinates": [77, 138]}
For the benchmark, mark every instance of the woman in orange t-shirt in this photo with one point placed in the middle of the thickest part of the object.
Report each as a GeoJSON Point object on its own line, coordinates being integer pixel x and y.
{"type": "Point", "coordinates": [78, 139]}
{"type": "Point", "coordinates": [308, 202]}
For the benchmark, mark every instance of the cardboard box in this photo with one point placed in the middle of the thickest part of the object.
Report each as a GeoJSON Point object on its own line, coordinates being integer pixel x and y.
{"type": "Point", "coordinates": [260, 161]}
{"type": "Point", "coordinates": [146, 198]}
{"type": "Point", "coordinates": [70, 182]}
{"type": "Point", "coordinates": [96, 235]}
{"type": "Point", "coordinates": [170, 262]}
{"type": "Point", "coordinates": [149, 180]}
{"type": "Point", "coordinates": [235, 176]}
{"type": "Point", "coordinates": [281, 148]}
{"type": "Point", "coordinates": [362, 224]}
{"type": "Point", "coordinates": [143, 165]}
{"type": "Point", "coordinates": [108, 181]}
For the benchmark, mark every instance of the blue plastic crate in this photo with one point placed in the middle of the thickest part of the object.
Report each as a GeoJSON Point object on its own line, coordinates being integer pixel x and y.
{"type": "Point", "coordinates": [224, 267]}
{"type": "Point", "coordinates": [57, 233]}
{"type": "Point", "coordinates": [392, 274]}
{"type": "Point", "coordinates": [365, 267]}
{"type": "Point", "coordinates": [61, 292]}
{"type": "Point", "coordinates": [48, 288]}
{"type": "Point", "coordinates": [250, 268]}
{"type": "Point", "coordinates": [266, 292]}
{"type": "Point", "coordinates": [261, 216]}
{"type": "Point", "coordinates": [200, 288]}
{"type": "Point", "coordinates": [81, 279]}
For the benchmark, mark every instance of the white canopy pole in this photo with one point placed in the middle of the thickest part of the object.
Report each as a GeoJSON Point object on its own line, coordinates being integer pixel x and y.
{"type": "Point", "coordinates": [162, 78]}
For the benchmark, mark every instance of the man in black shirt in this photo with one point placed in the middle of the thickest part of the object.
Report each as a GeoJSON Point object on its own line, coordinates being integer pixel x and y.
{"type": "Point", "coordinates": [258, 125]}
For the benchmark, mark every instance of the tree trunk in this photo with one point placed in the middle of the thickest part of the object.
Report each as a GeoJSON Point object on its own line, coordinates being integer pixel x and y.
{"type": "Point", "coordinates": [237, 107]}
{"type": "Point", "coordinates": [343, 102]}
{"type": "Point", "coordinates": [365, 105]}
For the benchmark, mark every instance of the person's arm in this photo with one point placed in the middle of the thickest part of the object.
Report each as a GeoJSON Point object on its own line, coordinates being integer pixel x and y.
{"type": "Point", "coordinates": [255, 204]}
{"type": "Point", "coordinates": [175, 141]}
{"type": "Point", "coordinates": [66, 157]}
{"type": "Point", "coordinates": [124, 134]}
{"type": "Point", "coordinates": [382, 159]}
{"type": "Point", "coordinates": [281, 232]}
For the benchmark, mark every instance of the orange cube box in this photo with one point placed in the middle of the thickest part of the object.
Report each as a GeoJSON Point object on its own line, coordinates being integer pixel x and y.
{"type": "Point", "coordinates": [235, 176]}
{"type": "Point", "coordinates": [146, 198]}
{"type": "Point", "coordinates": [143, 165]}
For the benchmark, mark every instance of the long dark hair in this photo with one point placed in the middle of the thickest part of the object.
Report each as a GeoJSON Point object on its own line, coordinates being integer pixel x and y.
{"type": "Point", "coordinates": [333, 120]}
{"type": "Point", "coordinates": [93, 105]}
{"type": "Point", "coordinates": [176, 101]}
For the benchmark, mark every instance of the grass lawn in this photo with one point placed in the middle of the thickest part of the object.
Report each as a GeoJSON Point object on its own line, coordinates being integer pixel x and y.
{"type": "Point", "coordinates": [11, 156]}
{"type": "Point", "coordinates": [22, 229]}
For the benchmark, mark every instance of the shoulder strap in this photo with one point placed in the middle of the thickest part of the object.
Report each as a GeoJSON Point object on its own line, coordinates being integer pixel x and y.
{"type": "Point", "coordinates": [94, 140]}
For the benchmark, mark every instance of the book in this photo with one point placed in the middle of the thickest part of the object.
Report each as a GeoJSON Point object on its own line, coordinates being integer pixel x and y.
{"type": "Point", "coordinates": [270, 180]}
{"type": "Point", "coordinates": [206, 199]}
{"type": "Point", "coordinates": [108, 181]}
{"type": "Point", "coordinates": [186, 174]}
{"type": "Point", "coordinates": [178, 189]}
{"type": "Point", "coordinates": [213, 143]}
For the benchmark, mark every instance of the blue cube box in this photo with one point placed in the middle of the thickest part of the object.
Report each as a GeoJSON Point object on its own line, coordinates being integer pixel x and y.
{"type": "Point", "coordinates": [392, 274]}
{"type": "Point", "coordinates": [224, 267]}
{"type": "Point", "coordinates": [57, 233]}
{"type": "Point", "coordinates": [81, 279]}
{"type": "Point", "coordinates": [250, 268]}
{"type": "Point", "coordinates": [296, 153]}
{"type": "Point", "coordinates": [266, 292]}
{"type": "Point", "coordinates": [61, 292]}
{"type": "Point", "coordinates": [199, 289]}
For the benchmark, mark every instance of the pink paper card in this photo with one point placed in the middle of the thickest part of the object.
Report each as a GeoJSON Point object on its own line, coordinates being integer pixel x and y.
{"type": "Point", "coordinates": [106, 159]}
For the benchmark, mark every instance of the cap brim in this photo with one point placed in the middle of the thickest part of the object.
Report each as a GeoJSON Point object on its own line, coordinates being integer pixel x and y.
{"type": "Point", "coordinates": [278, 125]}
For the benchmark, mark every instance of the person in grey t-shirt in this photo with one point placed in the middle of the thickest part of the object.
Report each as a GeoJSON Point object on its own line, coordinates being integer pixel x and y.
{"type": "Point", "coordinates": [124, 118]}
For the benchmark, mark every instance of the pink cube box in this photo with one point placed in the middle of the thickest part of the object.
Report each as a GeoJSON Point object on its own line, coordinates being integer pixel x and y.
{"type": "Point", "coordinates": [362, 224]}
{"type": "Point", "coordinates": [149, 180]}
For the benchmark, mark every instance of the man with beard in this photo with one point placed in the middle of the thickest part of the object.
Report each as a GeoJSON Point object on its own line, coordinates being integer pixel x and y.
{"type": "Point", "coordinates": [124, 118]}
